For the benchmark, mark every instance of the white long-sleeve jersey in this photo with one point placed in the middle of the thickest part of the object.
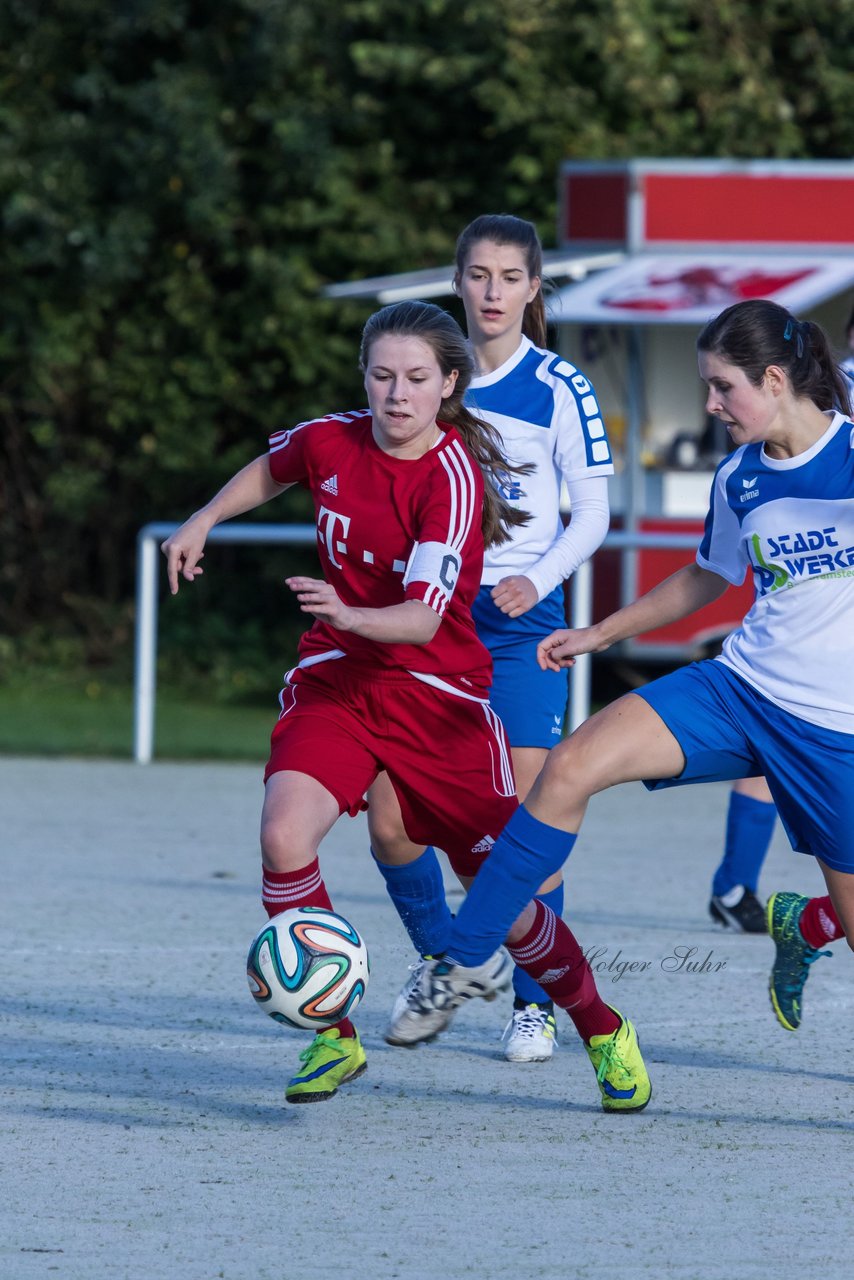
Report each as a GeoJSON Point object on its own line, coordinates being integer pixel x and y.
{"type": "Point", "coordinates": [547, 413]}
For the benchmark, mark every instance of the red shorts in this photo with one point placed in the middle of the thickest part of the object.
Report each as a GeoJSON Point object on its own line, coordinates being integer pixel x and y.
{"type": "Point", "coordinates": [447, 757]}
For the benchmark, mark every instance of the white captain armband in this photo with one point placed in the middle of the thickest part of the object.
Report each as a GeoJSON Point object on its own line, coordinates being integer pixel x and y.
{"type": "Point", "coordinates": [438, 564]}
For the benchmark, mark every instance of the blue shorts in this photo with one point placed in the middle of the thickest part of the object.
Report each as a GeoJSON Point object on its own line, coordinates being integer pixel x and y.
{"type": "Point", "coordinates": [530, 702]}
{"type": "Point", "coordinates": [728, 730]}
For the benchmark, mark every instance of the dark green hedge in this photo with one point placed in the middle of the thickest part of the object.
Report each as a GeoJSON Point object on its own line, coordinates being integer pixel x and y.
{"type": "Point", "coordinates": [178, 180]}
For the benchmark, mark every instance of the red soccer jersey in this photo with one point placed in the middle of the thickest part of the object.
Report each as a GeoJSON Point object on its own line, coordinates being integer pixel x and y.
{"type": "Point", "coordinates": [393, 529]}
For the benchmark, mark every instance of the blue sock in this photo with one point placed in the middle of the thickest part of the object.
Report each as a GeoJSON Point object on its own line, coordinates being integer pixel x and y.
{"type": "Point", "coordinates": [524, 986]}
{"type": "Point", "coordinates": [525, 854]}
{"type": "Point", "coordinates": [749, 828]}
{"type": "Point", "coordinates": [418, 893]}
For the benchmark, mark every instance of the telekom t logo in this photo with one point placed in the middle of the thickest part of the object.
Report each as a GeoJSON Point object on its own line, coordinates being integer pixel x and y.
{"type": "Point", "coordinates": [327, 522]}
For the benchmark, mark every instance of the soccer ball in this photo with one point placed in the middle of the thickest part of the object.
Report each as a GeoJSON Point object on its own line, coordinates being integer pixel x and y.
{"type": "Point", "coordinates": [308, 967]}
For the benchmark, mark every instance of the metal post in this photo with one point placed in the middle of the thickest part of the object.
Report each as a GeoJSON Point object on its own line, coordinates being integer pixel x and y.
{"type": "Point", "coordinates": [145, 663]}
{"type": "Point", "coordinates": [634, 470]}
{"type": "Point", "coordinates": [581, 594]}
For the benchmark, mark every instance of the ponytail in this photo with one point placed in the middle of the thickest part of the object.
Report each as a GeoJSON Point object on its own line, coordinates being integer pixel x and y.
{"type": "Point", "coordinates": [534, 323]}
{"type": "Point", "coordinates": [485, 445]}
{"type": "Point", "coordinates": [757, 333]}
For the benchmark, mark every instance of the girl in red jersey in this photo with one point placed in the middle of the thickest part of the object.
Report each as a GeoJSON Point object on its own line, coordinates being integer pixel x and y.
{"type": "Point", "coordinates": [392, 675]}
{"type": "Point", "coordinates": [548, 416]}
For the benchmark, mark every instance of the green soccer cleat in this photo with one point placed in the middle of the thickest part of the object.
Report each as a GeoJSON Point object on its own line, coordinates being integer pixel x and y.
{"type": "Point", "coordinates": [793, 959]}
{"type": "Point", "coordinates": [620, 1072]}
{"type": "Point", "coordinates": [329, 1061]}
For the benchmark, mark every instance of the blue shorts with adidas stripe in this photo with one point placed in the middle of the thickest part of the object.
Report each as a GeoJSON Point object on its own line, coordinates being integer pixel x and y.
{"type": "Point", "coordinates": [530, 702]}
{"type": "Point", "coordinates": [728, 730]}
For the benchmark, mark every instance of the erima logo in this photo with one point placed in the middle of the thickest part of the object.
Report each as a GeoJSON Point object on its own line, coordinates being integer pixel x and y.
{"type": "Point", "coordinates": [751, 492]}
{"type": "Point", "coordinates": [484, 845]}
{"type": "Point", "coordinates": [331, 486]}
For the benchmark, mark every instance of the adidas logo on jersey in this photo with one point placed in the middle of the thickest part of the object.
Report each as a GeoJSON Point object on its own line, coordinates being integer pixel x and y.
{"type": "Point", "coordinates": [331, 486]}
{"type": "Point", "coordinates": [484, 845]}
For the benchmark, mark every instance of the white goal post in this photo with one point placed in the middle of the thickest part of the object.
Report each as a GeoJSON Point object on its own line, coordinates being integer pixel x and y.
{"type": "Point", "coordinates": [147, 580]}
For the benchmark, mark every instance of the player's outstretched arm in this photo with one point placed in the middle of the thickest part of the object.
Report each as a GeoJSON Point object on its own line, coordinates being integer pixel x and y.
{"type": "Point", "coordinates": [249, 489]}
{"type": "Point", "coordinates": [408, 623]}
{"type": "Point", "coordinates": [562, 647]}
{"type": "Point", "coordinates": [683, 593]}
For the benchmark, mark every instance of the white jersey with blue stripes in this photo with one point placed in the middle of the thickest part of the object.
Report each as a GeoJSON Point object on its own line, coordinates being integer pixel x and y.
{"type": "Point", "coordinates": [547, 413]}
{"type": "Point", "coordinates": [790, 521]}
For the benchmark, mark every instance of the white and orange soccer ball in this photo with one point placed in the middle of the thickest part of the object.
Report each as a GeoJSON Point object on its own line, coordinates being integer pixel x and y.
{"type": "Point", "coordinates": [308, 968]}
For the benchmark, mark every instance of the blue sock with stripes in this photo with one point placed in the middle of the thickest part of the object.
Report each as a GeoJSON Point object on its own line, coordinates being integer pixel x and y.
{"type": "Point", "coordinates": [525, 854]}
{"type": "Point", "coordinates": [418, 893]}
{"type": "Point", "coordinates": [524, 986]}
{"type": "Point", "coordinates": [749, 828]}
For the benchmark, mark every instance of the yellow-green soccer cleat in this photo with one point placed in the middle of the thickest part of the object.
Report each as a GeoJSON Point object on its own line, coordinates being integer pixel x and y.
{"type": "Point", "coordinates": [329, 1061]}
{"type": "Point", "coordinates": [620, 1072]}
{"type": "Point", "coordinates": [793, 959]}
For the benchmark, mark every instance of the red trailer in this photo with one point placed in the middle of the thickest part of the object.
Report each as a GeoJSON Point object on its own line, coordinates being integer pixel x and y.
{"type": "Point", "coordinates": [694, 237]}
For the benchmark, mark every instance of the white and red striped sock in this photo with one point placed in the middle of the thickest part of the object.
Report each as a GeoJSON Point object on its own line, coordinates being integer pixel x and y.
{"type": "Point", "coordinates": [550, 954]}
{"type": "Point", "coordinates": [281, 890]}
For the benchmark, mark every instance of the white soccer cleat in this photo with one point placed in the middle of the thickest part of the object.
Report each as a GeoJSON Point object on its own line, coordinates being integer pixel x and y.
{"type": "Point", "coordinates": [402, 998]}
{"type": "Point", "coordinates": [531, 1035]}
{"type": "Point", "coordinates": [440, 990]}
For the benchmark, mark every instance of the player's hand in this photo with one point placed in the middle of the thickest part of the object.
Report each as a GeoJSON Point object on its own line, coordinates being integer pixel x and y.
{"type": "Point", "coordinates": [561, 648]}
{"type": "Point", "coordinates": [514, 595]}
{"type": "Point", "coordinates": [318, 598]}
{"type": "Point", "coordinates": [183, 550]}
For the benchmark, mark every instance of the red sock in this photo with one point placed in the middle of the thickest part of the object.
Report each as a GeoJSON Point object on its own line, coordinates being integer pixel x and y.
{"type": "Point", "coordinates": [551, 955]}
{"type": "Point", "coordinates": [819, 923]}
{"type": "Point", "coordinates": [281, 890]}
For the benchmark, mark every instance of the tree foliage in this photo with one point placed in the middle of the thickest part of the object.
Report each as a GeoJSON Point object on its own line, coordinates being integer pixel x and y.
{"type": "Point", "coordinates": [178, 180]}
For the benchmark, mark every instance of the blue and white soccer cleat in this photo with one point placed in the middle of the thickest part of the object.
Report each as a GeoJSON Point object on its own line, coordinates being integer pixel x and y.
{"type": "Point", "coordinates": [440, 989]}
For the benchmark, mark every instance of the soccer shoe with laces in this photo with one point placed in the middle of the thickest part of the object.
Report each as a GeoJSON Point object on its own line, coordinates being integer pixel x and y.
{"type": "Point", "coordinates": [329, 1061]}
{"type": "Point", "coordinates": [530, 1034]}
{"type": "Point", "coordinates": [745, 916]}
{"type": "Point", "coordinates": [793, 957]}
{"type": "Point", "coordinates": [402, 997]}
{"type": "Point", "coordinates": [440, 990]}
{"type": "Point", "coordinates": [620, 1071]}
